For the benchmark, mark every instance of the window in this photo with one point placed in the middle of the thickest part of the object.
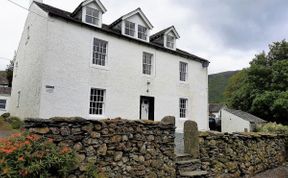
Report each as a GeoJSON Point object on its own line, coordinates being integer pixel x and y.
{"type": "Point", "coordinates": [2, 104]}
{"type": "Point", "coordinates": [92, 16]}
{"type": "Point", "coordinates": [183, 107]}
{"type": "Point", "coordinates": [183, 71]}
{"type": "Point", "coordinates": [147, 63]}
{"type": "Point", "coordinates": [170, 42]}
{"type": "Point", "coordinates": [99, 52]}
{"type": "Point", "coordinates": [129, 28]}
{"type": "Point", "coordinates": [142, 32]}
{"type": "Point", "coordinates": [97, 101]}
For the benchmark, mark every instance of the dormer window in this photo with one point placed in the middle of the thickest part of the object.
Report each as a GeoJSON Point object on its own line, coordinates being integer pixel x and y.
{"type": "Point", "coordinates": [142, 32]}
{"type": "Point", "coordinates": [92, 16]}
{"type": "Point", "coordinates": [170, 42]}
{"type": "Point", "coordinates": [129, 28]}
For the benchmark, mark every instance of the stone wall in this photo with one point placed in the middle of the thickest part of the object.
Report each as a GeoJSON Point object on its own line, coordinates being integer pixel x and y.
{"type": "Point", "coordinates": [240, 154]}
{"type": "Point", "coordinates": [119, 148]}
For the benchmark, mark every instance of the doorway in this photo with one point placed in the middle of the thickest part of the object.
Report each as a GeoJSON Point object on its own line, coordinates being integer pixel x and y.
{"type": "Point", "coordinates": [146, 108]}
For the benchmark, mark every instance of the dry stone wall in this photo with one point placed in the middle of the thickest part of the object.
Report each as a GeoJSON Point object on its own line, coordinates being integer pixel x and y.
{"type": "Point", "coordinates": [240, 154]}
{"type": "Point", "coordinates": [119, 148]}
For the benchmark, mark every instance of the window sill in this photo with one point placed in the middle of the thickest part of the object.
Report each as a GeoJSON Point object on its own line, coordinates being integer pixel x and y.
{"type": "Point", "coordinates": [184, 82]}
{"type": "Point", "coordinates": [148, 76]}
{"type": "Point", "coordinates": [99, 67]}
{"type": "Point", "coordinates": [96, 117]}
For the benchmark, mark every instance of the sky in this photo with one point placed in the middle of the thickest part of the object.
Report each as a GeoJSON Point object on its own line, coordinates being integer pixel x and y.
{"type": "Point", "coordinates": [226, 32]}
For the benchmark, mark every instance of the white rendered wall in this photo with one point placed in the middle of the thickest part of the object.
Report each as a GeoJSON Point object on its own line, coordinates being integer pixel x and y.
{"type": "Point", "coordinates": [232, 123]}
{"type": "Point", "coordinates": [27, 76]}
{"type": "Point", "coordinates": [66, 65]}
{"type": "Point", "coordinates": [7, 98]}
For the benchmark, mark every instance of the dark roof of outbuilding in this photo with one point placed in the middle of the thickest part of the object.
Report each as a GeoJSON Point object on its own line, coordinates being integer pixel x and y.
{"type": "Point", "coordinates": [55, 12]}
{"type": "Point", "coordinates": [246, 116]}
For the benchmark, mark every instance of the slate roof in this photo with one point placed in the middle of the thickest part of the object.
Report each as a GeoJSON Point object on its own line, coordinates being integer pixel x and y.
{"type": "Point", "coordinates": [55, 12]}
{"type": "Point", "coordinates": [215, 107]}
{"type": "Point", "coordinates": [246, 116]}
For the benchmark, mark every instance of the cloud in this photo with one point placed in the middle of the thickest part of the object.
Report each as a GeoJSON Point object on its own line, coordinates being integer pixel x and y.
{"type": "Point", "coordinates": [227, 32]}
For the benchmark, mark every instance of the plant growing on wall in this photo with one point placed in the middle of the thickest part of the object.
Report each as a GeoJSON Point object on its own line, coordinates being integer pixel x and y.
{"type": "Point", "coordinates": [27, 155]}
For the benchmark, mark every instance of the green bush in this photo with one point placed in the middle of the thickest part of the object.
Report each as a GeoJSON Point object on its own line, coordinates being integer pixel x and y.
{"type": "Point", "coordinates": [5, 115]}
{"type": "Point", "coordinates": [31, 156]}
{"type": "Point", "coordinates": [15, 122]}
{"type": "Point", "coordinates": [273, 128]}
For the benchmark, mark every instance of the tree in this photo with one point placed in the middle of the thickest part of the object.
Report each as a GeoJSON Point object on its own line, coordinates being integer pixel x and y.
{"type": "Point", "coordinates": [262, 89]}
{"type": "Point", "coordinates": [9, 71]}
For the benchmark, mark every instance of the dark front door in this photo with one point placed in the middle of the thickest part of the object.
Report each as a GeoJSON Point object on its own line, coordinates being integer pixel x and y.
{"type": "Point", "coordinates": [146, 108]}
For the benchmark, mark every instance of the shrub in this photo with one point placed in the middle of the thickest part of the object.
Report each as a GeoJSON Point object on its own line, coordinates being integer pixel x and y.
{"type": "Point", "coordinates": [5, 115]}
{"type": "Point", "coordinates": [31, 156]}
{"type": "Point", "coordinates": [273, 128]}
{"type": "Point", "coordinates": [15, 122]}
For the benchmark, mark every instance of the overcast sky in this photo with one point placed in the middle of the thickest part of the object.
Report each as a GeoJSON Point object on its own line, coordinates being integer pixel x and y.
{"type": "Point", "coordinates": [227, 32]}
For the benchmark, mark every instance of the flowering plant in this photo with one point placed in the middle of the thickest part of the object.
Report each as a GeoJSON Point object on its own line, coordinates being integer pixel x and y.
{"type": "Point", "coordinates": [27, 155]}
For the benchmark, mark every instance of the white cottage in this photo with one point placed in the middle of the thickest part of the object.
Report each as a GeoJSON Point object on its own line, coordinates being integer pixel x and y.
{"type": "Point", "coordinates": [72, 64]}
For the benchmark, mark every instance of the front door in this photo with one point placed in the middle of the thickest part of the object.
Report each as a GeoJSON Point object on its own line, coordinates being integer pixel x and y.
{"type": "Point", "coordinates": [146, 108]}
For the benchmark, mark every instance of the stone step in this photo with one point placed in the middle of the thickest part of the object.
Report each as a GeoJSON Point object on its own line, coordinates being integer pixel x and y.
{"type": "Point", "coordinates": [190, 161]}
{"type": "Point", "coordinates": [193, 173]}
{"type": "Point", "coordinates": [183, 157]}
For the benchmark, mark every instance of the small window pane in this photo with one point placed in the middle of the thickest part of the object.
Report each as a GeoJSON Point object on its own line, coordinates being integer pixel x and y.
{"type": "Point", "coordinates": [183, 68]}
{"type": "Point", "coordinates": [142, 32]}
{"type": "Point", "coordinates": [92, 16]}
{"type": "Point", "coordinates": [2, 104]}
{"type": "Point", "coordinates": [170, 41]}
{"type": "Point", "coordinates": [99, 52]}
{"type": "Point", "coordinates": [96, 101]}
{"type": "Point", "coordinates": [147, 63]}
{"type": "Point", "coordinates": [183, 107]}
{"type": "Point", "coordinates": [129, 28]}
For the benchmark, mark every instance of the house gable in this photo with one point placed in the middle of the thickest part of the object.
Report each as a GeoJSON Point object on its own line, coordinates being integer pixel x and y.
{"type": "Point", "coordinates": [167, 38]}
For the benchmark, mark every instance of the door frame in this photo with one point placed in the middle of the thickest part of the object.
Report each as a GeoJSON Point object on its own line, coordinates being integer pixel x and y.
{"type": "Point", "coordinates": [151, 101]}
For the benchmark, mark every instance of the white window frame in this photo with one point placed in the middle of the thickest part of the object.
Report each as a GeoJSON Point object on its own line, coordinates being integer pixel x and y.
{"type": "Point", "coordinates": [18, 98]}
{"type": "Point", "coordinates": [95, 52]}
{"type": "Point", "coordinates": [145, 63]}
{"type": "Point", "coordinates": [97, 19]}
{"type": "Point", "coordinates": [128, 26]}
{"type": "Point", "coordinates": [91, 101]}
{"type": "Point", "coordinates": [3, 104]}
{"type": "Point", "coordinates": [143, 34]}
{"type": "Point", "coordinates": [170, 43]}
{"type": "Point", "coordinates": [183, 72]}
{"type": "Point", "coordinates": [183, 107]}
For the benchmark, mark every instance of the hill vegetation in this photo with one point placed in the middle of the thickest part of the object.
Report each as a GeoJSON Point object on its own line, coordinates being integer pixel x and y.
{"type": "Point", "coordinates": [217, 84]}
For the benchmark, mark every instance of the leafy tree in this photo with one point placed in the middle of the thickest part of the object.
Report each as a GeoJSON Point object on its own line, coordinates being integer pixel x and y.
{"type": "Point", "coordinates": [262, 89]}
{"type": "Point", "coordinates": [9, 71]}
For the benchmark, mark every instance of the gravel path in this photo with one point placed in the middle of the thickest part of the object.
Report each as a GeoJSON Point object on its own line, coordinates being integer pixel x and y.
{"type": "Point", "coordinates": [5, 133]}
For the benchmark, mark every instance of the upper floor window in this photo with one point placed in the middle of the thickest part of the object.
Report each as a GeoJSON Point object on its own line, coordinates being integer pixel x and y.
{"type": "Point", "coordinates": [170, 43]}
{"type": "Point", "coordinates": [183, 107]}
{"type": "Point", "coordinates": [2, 104]}
{"type": "Point", "coordinates": [183, 67]}
{"type": "Point", "coordinates": [99, 52]}
{"type": "Point", "coordinates": [92, 16]}
{"type": "Point", "coordinates": [129, 28]}
{"type": "Point", "coordinates": [147, 63]}
{"type": "Point", "coordinates": [142, 32]}
{"type": "Point", "coordinates": [97, 101]}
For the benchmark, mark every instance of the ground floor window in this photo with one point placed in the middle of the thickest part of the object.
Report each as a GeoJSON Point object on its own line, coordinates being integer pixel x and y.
{"type": "Point", "coordinates": [2, 104]}
{"type": "Point", "coordinates": [183, 107]}
{"type": "Point", "coordinates": [97, 101]}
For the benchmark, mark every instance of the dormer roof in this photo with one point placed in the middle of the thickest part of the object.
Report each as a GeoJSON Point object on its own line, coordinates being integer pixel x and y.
{"type": "Point", "coordinates": [164, 32]}
{"type": "Point", "coordinates": [136, 11]}
{"type": "Point", "coordinates": [86, 2]}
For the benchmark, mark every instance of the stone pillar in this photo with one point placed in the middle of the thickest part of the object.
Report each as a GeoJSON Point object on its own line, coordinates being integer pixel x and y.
{"type": "Point", "coordinates": [191, 139]}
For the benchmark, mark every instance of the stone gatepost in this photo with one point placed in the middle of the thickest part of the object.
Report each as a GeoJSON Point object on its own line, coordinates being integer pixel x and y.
{"type": "Point", "coordinates": [191, 139]}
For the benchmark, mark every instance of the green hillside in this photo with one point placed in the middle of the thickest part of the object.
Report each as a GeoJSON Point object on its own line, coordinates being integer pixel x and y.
{"type": "Point", "coordinates": [217, 85]}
